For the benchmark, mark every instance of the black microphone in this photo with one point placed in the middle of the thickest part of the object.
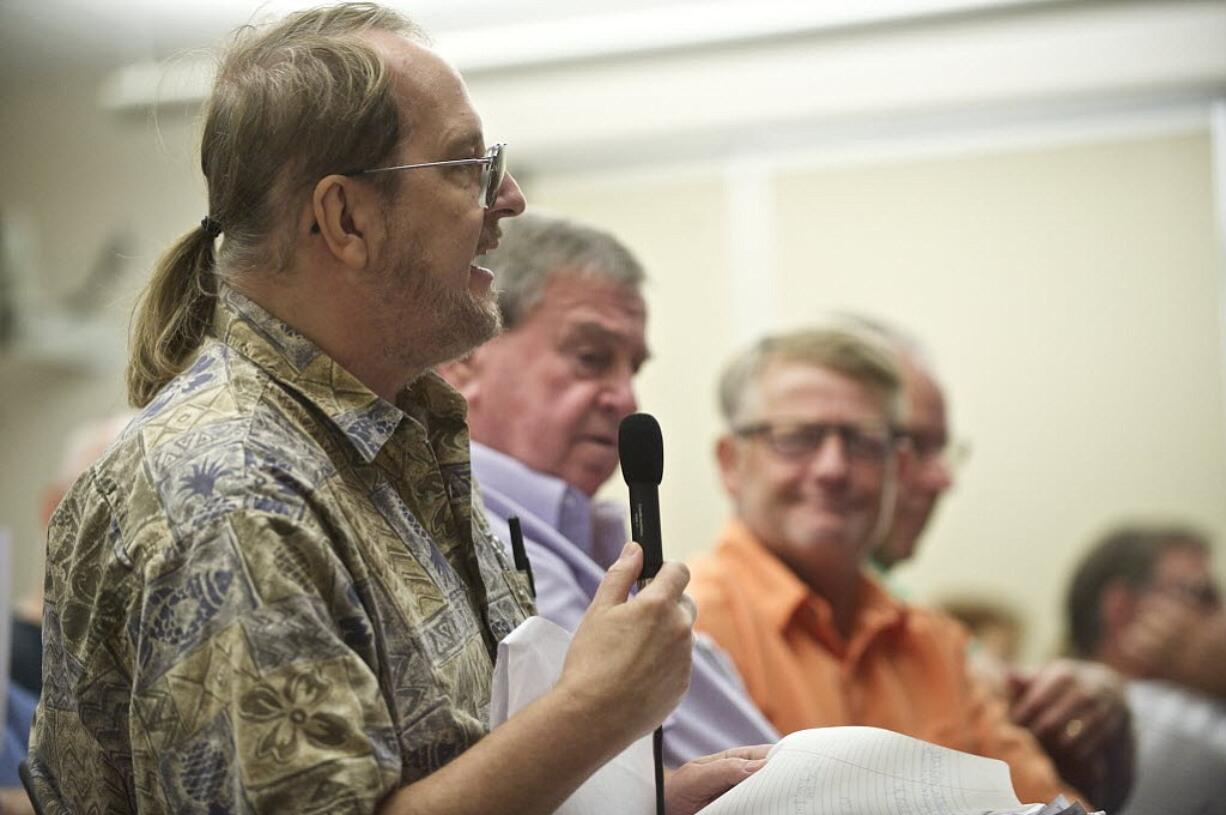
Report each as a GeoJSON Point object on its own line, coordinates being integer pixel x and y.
{"type": "Point", "coordinates": [641, 450]}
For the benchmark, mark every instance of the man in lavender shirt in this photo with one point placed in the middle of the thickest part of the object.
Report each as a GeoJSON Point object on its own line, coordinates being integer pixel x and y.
{"type": "Point", "coordinates": [544, 402]}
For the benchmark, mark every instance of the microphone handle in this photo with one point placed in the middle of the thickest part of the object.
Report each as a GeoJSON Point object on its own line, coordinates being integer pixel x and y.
{"type": "Point", "coordinates": [645, 528]}
{"type": "Point", "coordinates": [645, 525]}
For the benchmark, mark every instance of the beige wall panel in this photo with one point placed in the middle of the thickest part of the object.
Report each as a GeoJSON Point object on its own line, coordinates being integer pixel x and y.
{"type": "Point", "coordinates": [75, 176]}
{"type": "Point", "coordinates": [1069, 298]}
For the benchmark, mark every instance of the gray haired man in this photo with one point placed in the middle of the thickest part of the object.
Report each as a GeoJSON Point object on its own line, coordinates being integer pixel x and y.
{"type": "Point", "coordinates": [544, 402]}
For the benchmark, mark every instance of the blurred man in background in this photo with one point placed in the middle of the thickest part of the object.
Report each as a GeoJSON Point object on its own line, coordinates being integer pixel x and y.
{"type": "Point", "coordinates": [1075, 708]}
{"type": "Point", "coordinates": [812, 460]}
{"type": "Point", "coordinates": [1145, 602]}
{"type": "Point", "coordinates": [545, 399]}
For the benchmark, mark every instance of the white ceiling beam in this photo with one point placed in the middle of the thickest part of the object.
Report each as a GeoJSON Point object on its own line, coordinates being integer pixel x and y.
{"type": "Point", "coordinates": [1053, 59]}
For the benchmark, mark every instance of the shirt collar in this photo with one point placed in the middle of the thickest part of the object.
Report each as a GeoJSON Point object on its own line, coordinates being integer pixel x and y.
{"type": "Point", "coordinates": [591, 526]}
{"type": "Point", "coordinates": [782, 593]}
{"type": "Point", "coordinates": [366, 419]}
{"type": "Point", "coordinates": [779, 591]}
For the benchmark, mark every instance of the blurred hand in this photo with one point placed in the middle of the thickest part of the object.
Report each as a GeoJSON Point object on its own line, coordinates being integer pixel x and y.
{"type": "Point", "coordinates": [1172, 638]}
{"type": "Point", "coordinates": [1079, 713]}
{"type": "Point", "coordinates": [1152, 641]}
{"type": "Point", "coordinates": [629, 660]}
{"type": "Point", "coordinates": [698, 783]}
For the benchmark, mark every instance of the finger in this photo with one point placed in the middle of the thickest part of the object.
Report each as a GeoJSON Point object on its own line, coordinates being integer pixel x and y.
{"type": "Point", "coordinates": [753, 752]}
{"type": "Point", "coordinates": [696, 785]}
{"type": "Point", "coordinates": [669, 583]}
{"type": "Point", "coordinates": [1043, 693]}
{"type": "Point", "coordinates": [1055, 721]}
{"type": "Point", "coordinates": [1102, 735]}
{"type": "Point", "coordinates": [1017, 681]}
{"type": "Point", "coordinates": [717, 777]}
{"type": "Point", "coordinates": [615, 587]}
{"type": "Point", "coordinates": [1102, 723]}
{"type": "Point", "coordinates": [1091, 740]}
{"type": "Point", "coordinates": [690, 608]}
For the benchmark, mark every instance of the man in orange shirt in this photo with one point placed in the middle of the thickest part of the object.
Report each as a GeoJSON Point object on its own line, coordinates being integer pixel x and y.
{"type": "Point", "coordinates": [811, 462]}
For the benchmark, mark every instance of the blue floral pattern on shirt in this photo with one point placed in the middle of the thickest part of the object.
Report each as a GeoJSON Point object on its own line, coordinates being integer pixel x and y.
{"type": "Point", "coordinates": [271, 594]}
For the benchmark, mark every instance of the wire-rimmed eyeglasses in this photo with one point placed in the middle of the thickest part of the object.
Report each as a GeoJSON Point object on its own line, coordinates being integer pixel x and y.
{"type": "Point", "coordinates": [493, 170]}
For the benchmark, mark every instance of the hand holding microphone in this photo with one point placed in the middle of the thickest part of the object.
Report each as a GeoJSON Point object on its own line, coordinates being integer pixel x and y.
{"type": "Point", "coordinates": [630, 659]}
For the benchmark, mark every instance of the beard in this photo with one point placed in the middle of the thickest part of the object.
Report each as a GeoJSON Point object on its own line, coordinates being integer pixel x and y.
{"type": "Point", "coordinates": [436, 323]}
{"type": "Point", "coordinates": [464, 321]}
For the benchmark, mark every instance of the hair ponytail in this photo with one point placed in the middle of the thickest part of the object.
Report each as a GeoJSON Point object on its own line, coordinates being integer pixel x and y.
{"type": "Point", "coordinates": [172, 316]}
{"type": "Point", "coordinates": [290, 104]}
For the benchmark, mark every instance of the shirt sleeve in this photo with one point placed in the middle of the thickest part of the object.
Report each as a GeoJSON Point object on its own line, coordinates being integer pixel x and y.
{"type": "Point", "coordinates": [254, 689]}
{"type": "Point", "coordinates": [559, 597]}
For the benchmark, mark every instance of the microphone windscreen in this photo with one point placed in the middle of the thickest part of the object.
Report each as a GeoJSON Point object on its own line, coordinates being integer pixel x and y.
{"type": "Point", "coordinates": [641, 449]}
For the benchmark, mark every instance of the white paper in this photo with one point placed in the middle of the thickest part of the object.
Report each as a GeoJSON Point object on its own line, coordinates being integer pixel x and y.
{"type": "Point", "coordinates": [529, 664]}
{"type": "Point", "coordinates": [868, 771]}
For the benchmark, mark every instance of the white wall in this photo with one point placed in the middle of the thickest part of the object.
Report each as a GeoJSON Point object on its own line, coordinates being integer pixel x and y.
{"type": "Point", "coordinates": [72, 176]}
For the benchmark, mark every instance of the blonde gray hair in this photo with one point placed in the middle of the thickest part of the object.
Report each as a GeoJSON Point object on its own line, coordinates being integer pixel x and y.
{"type": "Point", "coordinates": [857, 356]}
{"type": "Point", "coordinates": [290, 104]}
{"type": "Point", "coordinates": [536, 248]}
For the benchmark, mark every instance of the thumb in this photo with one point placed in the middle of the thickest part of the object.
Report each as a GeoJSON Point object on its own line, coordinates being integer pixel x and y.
{"type": "Point", "coordinates": [1017, 683]}
{"type": "Point", "coordinates": [615, 587]}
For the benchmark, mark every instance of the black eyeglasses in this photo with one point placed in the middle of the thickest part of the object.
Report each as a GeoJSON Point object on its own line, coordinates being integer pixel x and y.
{"type": "Point", "coordinates": [493, 170]}
{"type": "Point", "coordinates": [870, 445]}
{"type": "Point", "coordinates": [928, 446]}
{"type": "Point", "coordinates": [1202, 595]}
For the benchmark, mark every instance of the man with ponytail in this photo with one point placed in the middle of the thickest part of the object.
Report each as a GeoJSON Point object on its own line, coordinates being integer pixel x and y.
{"type": "Point", "coordinates": [276, 591]}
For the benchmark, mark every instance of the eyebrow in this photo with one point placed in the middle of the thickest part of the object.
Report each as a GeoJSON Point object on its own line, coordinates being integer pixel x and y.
{"type": "Point", "coordinates": [589, 330]}
{"type": "Point", "coordinates": [470, 141]}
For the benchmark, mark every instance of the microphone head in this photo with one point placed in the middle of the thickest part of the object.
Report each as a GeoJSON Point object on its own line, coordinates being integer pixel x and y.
{"type": "Point", "coordinates": [641, 449]}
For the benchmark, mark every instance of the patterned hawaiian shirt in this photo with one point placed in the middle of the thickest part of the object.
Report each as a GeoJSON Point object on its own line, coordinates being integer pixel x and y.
{"type": "Point", "coordinates": [272, 594]}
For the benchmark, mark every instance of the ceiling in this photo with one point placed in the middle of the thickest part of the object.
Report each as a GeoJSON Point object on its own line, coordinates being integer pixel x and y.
{"type": "Point", "coordinates": [57, 36]}
{"type": "Point", "coordinates": [644, 81]}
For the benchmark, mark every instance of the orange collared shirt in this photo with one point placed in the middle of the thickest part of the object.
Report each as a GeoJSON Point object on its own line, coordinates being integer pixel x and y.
{"type": "Point", "coordinates": [902, 668]}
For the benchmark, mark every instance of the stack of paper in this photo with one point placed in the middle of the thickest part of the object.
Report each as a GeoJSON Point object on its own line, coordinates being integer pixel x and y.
{"type": "Point", "coordinates": [828, 771]}
{"type": "Point", "coordinates": [868, 771]}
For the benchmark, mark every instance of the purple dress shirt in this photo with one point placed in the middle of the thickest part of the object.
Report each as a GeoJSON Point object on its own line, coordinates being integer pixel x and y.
{"type": "Point", "coordinates": [571, 540]}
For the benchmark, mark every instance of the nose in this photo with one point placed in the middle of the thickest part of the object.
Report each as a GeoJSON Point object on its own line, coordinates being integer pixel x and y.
{"type": "Point", "coordinates": [943, 478]}
{"type": "Point", "coordinates": [619, 395]}
{"type": "Point", "coordinates": [510, 200]}
{"type": "Point", "coordinates": [937, 475]}
{"type": "Point", "coordinates": [830, 462]}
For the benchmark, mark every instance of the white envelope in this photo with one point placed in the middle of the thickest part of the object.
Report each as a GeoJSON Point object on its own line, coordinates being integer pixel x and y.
{"type": "Point", "coordinates": [529, 664]}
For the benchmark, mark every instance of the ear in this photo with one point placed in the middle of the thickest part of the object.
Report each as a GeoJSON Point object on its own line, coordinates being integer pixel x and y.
{"type": "Point", "coordinates": [344, 211]}
{"type": "Point", "coordinates": [728, 456]}
{"type": "Point", "coordinates": [463, 374]}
